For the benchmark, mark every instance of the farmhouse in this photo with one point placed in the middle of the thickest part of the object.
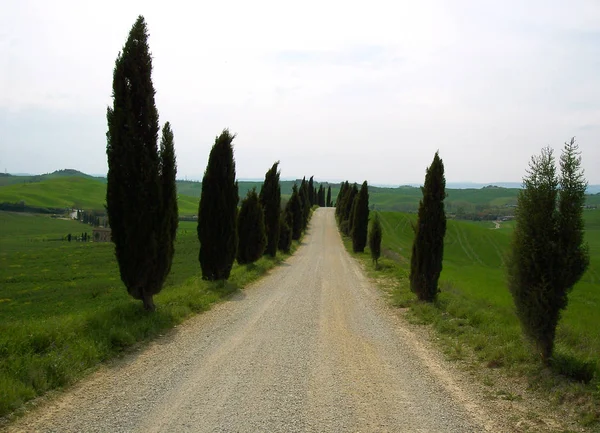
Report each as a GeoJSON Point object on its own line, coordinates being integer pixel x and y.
{"type": "Point", "coordinates": [101, 234]}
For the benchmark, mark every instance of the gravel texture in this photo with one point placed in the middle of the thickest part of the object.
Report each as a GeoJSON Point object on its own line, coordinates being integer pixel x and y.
{"type": "Point", "coordinates": [312, 347]}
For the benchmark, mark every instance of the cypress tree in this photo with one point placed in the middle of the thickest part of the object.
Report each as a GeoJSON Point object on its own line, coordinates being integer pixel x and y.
{"type": "Point", "coordinates": [305, 203]}
{"type": "Point", "coordinates": [348, 202]}
{"type": "Point", "coordinates": [217, 211]}
{"type": "Point", "coordinates": [139, 178]}
{"type": "Point", "coordinates": [328, 200]}
{"type": "Point", "coordinates": [285, 231]}
{"type": "Point", "coordinates": [251, 230]}
{"type": "Point", "coordinates": [270, 199]}
{"type": "Point", "coordinates": [360, 221]}
{"type": "Point", "coordinates": [311, 192]}
{"type": "Point", "coordinates": [375, 235]}
{"type": "Point", "coordinates": [294, 208]}
{"type": "Point", "coordinates": [548, 254]}
{"type": "Point", "coordinates": [428, 244]}
{"type": "Point", "coordinates": [169, 213]}
{"type": "Point", "coordinates": [339, 200]}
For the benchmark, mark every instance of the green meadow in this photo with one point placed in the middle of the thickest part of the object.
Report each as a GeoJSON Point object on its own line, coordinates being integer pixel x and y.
{"type": "Point", "coordinates": [475, 314]}
{"type": "Point", "coordinates": [64, 309]}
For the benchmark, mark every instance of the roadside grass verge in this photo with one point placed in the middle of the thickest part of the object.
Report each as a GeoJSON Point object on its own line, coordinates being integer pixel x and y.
{"type": "Point", "coordinates": [64, 309]}
{"type": "Point", "coordinates": [474, 316]}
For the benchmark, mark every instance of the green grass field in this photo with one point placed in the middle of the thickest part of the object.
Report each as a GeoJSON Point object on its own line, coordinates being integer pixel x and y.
{"type": "Point", "coordinates": [475, 313]}
{"type": "Point", "coordinates": [64, 309]}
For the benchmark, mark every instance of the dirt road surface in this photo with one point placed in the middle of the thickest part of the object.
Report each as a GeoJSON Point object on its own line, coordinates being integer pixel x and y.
{"type": "Point", "coordinates": [312, 347]}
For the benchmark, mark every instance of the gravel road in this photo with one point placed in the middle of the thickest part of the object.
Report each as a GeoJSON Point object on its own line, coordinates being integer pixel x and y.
{"type": "Point", "coordinates": [312, 347]}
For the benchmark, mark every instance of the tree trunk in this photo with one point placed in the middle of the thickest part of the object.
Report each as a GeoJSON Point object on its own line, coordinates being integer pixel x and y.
{"type": "Point", "coordinates": [148, 302]}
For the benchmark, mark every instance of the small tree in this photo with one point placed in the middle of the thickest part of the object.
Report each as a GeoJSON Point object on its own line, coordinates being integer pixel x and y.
{"type": "Point", "coordinates": [428, 244]}
{"type": "Point", "coordinates": [270, 199]}
{"type": "Point", "coordinates": [548, 254]}
{"type": "Point", "coordinates": [375, 235]}
{"type": "Point", "coordinates": [217, 211]}
{"type": "Point", "coordinates": [328, 201]}
{"type": "Point", "coordinates": [360, 221]}
{"type": "Point", "coordinates": [251, 230]}
{"type": "Point", "coordinates": [285, 231]}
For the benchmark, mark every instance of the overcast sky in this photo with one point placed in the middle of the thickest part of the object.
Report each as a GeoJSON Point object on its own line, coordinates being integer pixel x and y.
{"type": "Point", "coordinates": [335, 89]}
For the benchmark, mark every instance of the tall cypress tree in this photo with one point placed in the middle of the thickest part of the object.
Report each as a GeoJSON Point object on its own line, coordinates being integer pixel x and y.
{"type": "Point", "coordinates": [548, 254]}
{"type": "Point", "coordinates": [140, 180]}
{"type": "Point", "coordinates": [170, 212]}
{"type": "Point", "coordinates": [360, 222]}
{"type": "Point", "coordinates": [294, 208]}
{"type": "Point", "coordinates": [311, 192]}
{"type": "Point", "coordinates": [328, 201]}
{"type": "Point", "coordinates": [305, 202]}
{"type": "Point", "coordinates": [428, 244]}
{"type": "Point", "coordinates": [270, 199]}
{"type": "Point", "coordinates": [217, 211]}
{"type": "Point", "coordinates": [339, 201]}
{"type": "Point", "coordinates": [251, 230]}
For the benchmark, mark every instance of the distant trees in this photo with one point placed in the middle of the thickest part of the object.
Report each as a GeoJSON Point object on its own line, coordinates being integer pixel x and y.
{"type": "Point", "coordinates": [321, 196]}
{"type": "Point", "coordinates": [312, 199]}
{"type": "Point", "coordinates": [328, 200]}
{"type": "Point", "coordinates": [430, 229]}
{"type": "Point", "coordinates": [548, 254]}
{"type": "Point", "coordinates": [140, 178]}
{"type": "Point", "coordinates": [270, 199]}
{"type": "Point", "coordinates": [360, 220]}
{"type": "Point", "coordinates": [217, 211]}
{"type": "Point", "coordinates": [251, 230]}
{"type": "Point", "coordinates": [375, 236]}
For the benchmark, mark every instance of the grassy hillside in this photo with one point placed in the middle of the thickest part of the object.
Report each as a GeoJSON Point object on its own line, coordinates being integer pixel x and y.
{"type": "Point", "coordinates": [72, 192]}
{"type": "Point", "coordinates": [70, 188]}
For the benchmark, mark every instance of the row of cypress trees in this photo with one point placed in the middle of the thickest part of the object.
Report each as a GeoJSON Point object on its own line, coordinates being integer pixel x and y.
{"type": "Point", "coordinates": [141, 198]}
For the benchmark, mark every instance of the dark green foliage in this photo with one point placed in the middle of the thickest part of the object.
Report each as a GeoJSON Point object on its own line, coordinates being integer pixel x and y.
{"type": "Point", "coordinates": [339, 201]}
{"type": "Point", "coordinates": [140, 180]}
{"type": "Point", "coordinates": [270, 199]}
{"type": "Point", "coordinates": [375, 235]}
{"type": "Point", "coordinates": [360, 219]}
{"type": "Point", "coordinates": [347, 203]}
{"type": "Point", "coordinates": [251, 230]}
{"type": "Point", "coordinates": [430, 229]}
{"type": "Point", "coordinates": [305, 203]}
{"type": "Point", "coordinates": [328, 200]}
{"type": "Point", "coordinates": [217, 212]}
{"type": "Point", "coordinates": [321, 196]}
{"type": "Point", "coordinates": [351, 217]}
{"type": "Point", "coordinates": [295, 209]}
{"type": "Point", "coordinates": [285, 231]}
{"type": "Point", "coordinates": [548, 255]}
{"type": "Point", "coordinates": [311, 192]}
{"type": "Point", "coordinates": [169, 214]}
